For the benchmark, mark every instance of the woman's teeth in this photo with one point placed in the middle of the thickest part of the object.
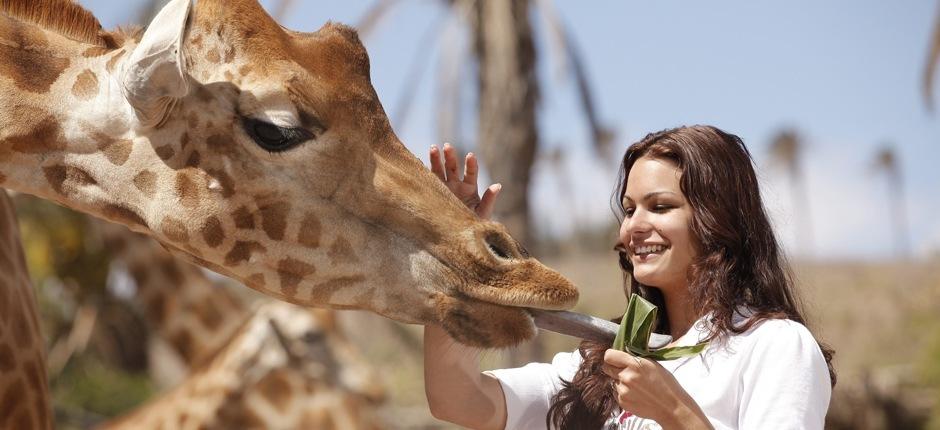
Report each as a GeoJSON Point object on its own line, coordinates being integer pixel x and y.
{"type": "Point", "coordinates": [649, 249]}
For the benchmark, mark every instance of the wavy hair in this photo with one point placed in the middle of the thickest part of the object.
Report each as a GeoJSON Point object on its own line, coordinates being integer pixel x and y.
{"type": "Point", "coordinates": [739, 262]}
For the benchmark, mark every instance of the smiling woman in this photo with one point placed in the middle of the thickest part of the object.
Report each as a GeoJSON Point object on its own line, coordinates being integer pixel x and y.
{"type": "Point", "coordinates": [695, 240]}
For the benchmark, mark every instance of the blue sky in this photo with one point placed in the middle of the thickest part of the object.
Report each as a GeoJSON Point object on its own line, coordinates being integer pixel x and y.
{"type": "Point", "coordinates": [845, 74]}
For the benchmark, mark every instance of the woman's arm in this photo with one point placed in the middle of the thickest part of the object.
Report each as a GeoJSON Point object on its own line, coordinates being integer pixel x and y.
{"type": "Point", "coordinates": [456, 389]}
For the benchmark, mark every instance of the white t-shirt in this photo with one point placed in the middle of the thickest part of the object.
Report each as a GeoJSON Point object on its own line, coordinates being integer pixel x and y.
{"type": "Point", "coordinates": [773, 376]}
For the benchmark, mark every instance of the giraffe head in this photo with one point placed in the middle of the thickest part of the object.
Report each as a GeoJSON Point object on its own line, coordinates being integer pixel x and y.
{"type": "Point", "coordinates": [271, 160]}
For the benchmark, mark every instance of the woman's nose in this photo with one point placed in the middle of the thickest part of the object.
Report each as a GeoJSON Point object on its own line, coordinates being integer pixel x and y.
{"type": "Point", "coordinates": [637, 224]}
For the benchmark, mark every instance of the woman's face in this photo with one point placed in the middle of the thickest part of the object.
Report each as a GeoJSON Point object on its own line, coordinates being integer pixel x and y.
{"type": "Point", "coordinates": [655, 230]}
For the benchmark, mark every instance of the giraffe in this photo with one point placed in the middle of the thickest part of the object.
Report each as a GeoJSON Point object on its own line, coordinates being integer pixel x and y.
{"type": "Point", "coordinates": [280, 370]}
{"type": "Point", "coordinates": [199, 316]}
{"type": "Point", "coordinates": [260, 153]}
{"type": "Point", "coordinates": [24, 391]}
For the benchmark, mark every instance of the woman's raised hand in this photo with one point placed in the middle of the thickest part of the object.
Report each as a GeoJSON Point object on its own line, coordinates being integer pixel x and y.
{"type": "Point", "coordinates": [465, 189]}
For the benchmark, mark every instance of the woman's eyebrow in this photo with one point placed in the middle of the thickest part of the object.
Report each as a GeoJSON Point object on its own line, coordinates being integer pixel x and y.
{"type": "Point", "coordinates": [650, 195]}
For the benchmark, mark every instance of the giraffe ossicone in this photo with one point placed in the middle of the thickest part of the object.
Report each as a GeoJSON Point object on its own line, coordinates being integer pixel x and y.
{"type": "Point", "coordinates": [260, 153]}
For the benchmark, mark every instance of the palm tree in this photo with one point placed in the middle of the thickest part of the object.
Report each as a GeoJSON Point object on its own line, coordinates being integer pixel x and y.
{"type": "Point", "coordinates": [886, 161]}
{"type": "Point", "coordinates": [933, 57]}
{"type": "Point", "coordinates": [786, 149]}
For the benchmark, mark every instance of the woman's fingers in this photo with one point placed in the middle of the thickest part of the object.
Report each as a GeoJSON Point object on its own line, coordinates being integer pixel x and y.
{"type": "Point", "coordinates": [470, 169]}
{"type": "Point", "coordinates": [437, 167]}
{"type": "Point", "coordinates": [450, 162]}
{"type": "Point", "coordinates": [488, 201]}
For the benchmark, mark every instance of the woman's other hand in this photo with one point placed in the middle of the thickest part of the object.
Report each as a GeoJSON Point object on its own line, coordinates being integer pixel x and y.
{"type": "Point", "coordinates": [465, 189]}
{"type": "Point", "coordinates": [646, 389]}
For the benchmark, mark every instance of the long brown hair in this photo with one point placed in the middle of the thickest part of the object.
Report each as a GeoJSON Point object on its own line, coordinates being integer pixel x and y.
{"type": "Point", "coordinates": [739, 263]}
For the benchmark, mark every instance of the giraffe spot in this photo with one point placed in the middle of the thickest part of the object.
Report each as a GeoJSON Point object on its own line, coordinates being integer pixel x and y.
{"type": "Point", "coordinates": [276, 390]}
{"type": "Point", "coordinates": [22, 332]}
{"type": "Point", "coordinates": [95, 51]}
{"type": "Point", "coordinates": [146, 182]}
{"type": "Point", "coordinates": [217, 142]}
{"type": "Point", "coordinates": [86, 85]}
{"type": "Point", "coordinates": [140, 274]}
{"type": "Point", "coordinates": [184, 344]}
{"type": "Point", "coordinates": [30, 67]}
{"type": "Point", "coordinates": [212, 232]}
{"type": "Point", "coordinates": [122, 215]}
{"type": "Point", "coordinates": [192, 121]}
{"type": "Point", "coordinates": [241, 252]}
{"type": "Point", "coordinates": [186, 189]}
{"type": "Point", "coordinates": [274, 219]}
{"type": "Point", "coordinates": [3, 178]}
{"type": "Point", "coordinates": [243, 218]}
{"type": "Point", "coordinates": [184, 141]}
{"type": "Point", "coordinates": [174, 230]}
{"type": "Point", "coordinates": [197, 41]}
{"type": "Point", "coordinates": [291, 273]}
{"type": "Point", "coordinates": [117, 151]}
{"type": "Point", "coordinates": [165, 152]}
{"type": "Point", "coordinates": [65, 179]}
{"type": "Point", "coordinates": [193, 159]}
{"type": "Point", "coordinates": [172, 271]}
{"type": "Point", "coordinates": [157, 308]}
{"type": "Point", "coordinates": [7, 359]}
{"type": "Point", "coordinates": [44, 138]}
{"type": "Point", "coordinates": [225, 181]}
{"type": "Point", "coordinates": [309, 234]}
{"type": "Point", "coordinates": [214, 57]}
{"type": "Point", "coordinates": [342, 252]}
{"type": "Point", "coordinates": [12, 397]}
{"type": "Point", "coordinates": [323, 291]}
{"type": "Point", "coordinates": [245, 70]}
{"type": "Point", "coordinates": [209, 314]}
{"type": "Point", "coordinates": [255, 281]}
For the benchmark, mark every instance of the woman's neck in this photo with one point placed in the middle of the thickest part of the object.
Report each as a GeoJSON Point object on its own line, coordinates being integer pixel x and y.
{"type": "Point", "coordinates": [679, 311]}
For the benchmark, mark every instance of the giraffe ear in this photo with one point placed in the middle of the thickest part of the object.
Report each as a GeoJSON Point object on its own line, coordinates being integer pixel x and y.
{"type": "Point", "coordinates": [154, 76]}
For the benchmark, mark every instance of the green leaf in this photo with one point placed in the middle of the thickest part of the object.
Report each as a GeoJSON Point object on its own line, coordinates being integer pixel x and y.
{"type": "Point", "coordinates": [636, 328]}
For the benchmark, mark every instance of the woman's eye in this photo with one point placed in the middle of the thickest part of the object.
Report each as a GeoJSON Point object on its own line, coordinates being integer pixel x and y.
{"type": "Point", "coordinates": [662, 208]}
{"type": "Point", "coordinates": [275, 138]}
{"type": "Point", "coordinates": [629, 212]}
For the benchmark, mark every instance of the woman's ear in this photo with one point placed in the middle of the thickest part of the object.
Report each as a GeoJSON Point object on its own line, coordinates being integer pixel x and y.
{"type": "Point", "coordinates": [154, 76]}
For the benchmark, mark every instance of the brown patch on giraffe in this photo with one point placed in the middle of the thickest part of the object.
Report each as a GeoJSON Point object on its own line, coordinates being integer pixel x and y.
{"type": "Point", "coordinates": [243, 218]}
{"type": "Point", "coordinates": [3, 178]}
{"type": "Point", "coordinates": [157, 308]}
{"type": "Point", "coordinates": [245, 70]}
{"type": "Point", "coordinates": [185, 344]}
{"type": "Point", "coordinates": [117, 151]}
{"type": "Point", "coordinates": [274, 219]}
{"type": "Point", "coordinates": [342, 252]}
{"type": "Point", "coordinates": [225, 181]}
{"type": "Point", "coordinates": [214, 57]}
{"type": "Point", "coordinates": [64, 178]}
{"type": "Point", "coordinates": [165, 152]}
{"type": "Point", "coordinates": [95, 51]}
{"type": "Point", "coordinates": [193, 159]}
{"type": "Point", "coordinates": [321, 293]}
{"type": "Point", "coordinates": [276, 390]}
{"type": "Point", "coordinates": [209, 314]}
{"type": "Point", "coordinates": [192, 121]}
{"type": "Point", "coordinates": [241, 252]}
{"type": "Point", "coordinates": [122, 214]}
{"type": "Point", "coordinates": [212, 232]}
{"type": "Point", "coordinates": [146, 182]}
{"type": "Point", "coordinates": [86, 85]}
{"type": "Point", "coordinates": [255, 280]}
{"type": "Point", "coordinates": [44, 138]}
{"type": "Point", "coordinates": [291, 272]}
{"type": "Point", "coordinates": [7, 359]}
{"type": "Point", "coordinates": [197, 41]}
{"type": "Point", "coordinates": [186, 189]}
{"type": "Point", "coordinates": [26, 60]}
{"type": "Point", "coordinates": [174, 230]}
{"type": "Point", "coordinates": [172, 272]}
{"type": "Point", "coordinates": [140, 273]}
{"type": "Point", "coordinates": [309, 234]}
{"type": "Point", "coordinates": [229, 55]}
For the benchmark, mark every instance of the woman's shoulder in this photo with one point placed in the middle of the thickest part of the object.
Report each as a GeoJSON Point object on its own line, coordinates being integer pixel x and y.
{"type": "Point", "coordinates": [779, 337]}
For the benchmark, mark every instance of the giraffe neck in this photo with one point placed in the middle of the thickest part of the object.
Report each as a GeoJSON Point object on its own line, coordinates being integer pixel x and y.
{"type": "Point", "coordinates": [24, 392]}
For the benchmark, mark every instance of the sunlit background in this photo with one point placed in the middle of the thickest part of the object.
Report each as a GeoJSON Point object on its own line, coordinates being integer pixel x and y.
{"type": "Point", "coordinates": [829, 96]}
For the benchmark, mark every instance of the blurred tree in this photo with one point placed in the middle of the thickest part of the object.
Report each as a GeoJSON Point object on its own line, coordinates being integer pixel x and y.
{"type": "Point", "coordinates": [786, 150]}
{"type": "Point", "coordinates": [503, 54]}
{"type": "Point", "coordinates": [886, 162]}
{"type": "Point", "coordinates": [933, 57]}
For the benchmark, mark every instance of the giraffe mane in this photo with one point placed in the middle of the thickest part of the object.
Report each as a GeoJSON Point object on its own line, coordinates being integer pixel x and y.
{"type": "Point", "coordinates": [67, 19]}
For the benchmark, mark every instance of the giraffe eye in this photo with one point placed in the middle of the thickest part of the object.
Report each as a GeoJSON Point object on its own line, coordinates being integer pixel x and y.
{"type": "Point", "coordinates": [274, 138]}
